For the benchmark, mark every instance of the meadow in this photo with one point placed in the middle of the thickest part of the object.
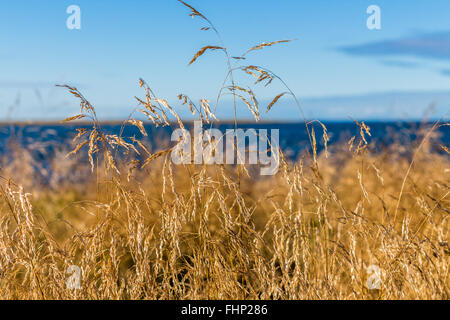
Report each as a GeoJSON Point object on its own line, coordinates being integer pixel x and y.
{"type": "Point", "coordinates": [349, 220]}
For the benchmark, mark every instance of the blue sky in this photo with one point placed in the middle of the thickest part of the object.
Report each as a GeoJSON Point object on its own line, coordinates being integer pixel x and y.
{"type": "Point", "coordinates": [338, 67]}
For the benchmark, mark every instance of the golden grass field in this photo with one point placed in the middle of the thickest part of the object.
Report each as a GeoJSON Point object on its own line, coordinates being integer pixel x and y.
{"type": "Point", "coordinates": [153, 230]}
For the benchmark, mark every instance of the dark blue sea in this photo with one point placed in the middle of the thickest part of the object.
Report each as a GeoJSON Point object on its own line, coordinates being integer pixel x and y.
{"type": "Point", "coordinates": [44, 139]}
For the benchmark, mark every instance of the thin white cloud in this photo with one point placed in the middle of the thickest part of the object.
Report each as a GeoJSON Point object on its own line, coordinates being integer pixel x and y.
{"type": "Point", "coordinates": [427, 46]}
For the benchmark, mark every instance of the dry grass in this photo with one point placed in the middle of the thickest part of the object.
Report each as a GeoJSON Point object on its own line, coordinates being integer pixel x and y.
{"type": "Point", "coordinates": [146, 229]}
